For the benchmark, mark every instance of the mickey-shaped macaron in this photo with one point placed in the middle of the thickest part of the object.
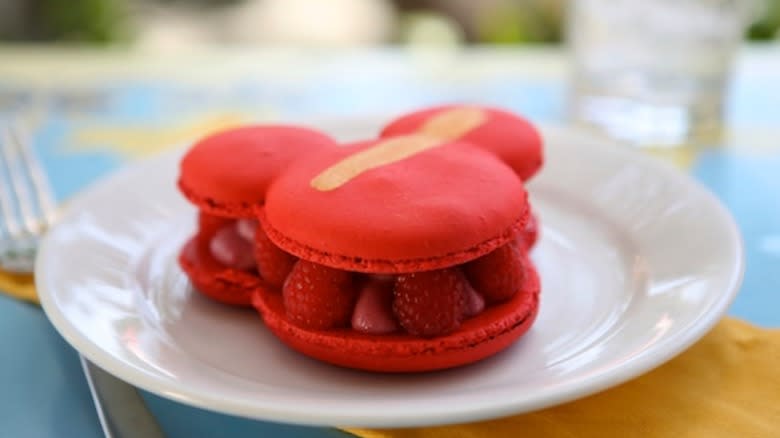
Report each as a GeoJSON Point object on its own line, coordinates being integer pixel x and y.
{"type": "Point", "coordinates": [403, 253]}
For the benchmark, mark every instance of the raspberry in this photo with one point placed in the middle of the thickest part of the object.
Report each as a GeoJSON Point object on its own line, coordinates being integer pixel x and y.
{"type": "Point", "coordinates": [318, 297]}
{"type": "Point", "coordinates": [430, 303]}
{"type": "Point", "coordinates": [498, 275]}
{"type": "Point", "coordinates": [273, 263]}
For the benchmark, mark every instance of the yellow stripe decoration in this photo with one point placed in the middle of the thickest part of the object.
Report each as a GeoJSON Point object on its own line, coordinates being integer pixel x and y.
{"type": "Point", "coordinates": [438, 130]}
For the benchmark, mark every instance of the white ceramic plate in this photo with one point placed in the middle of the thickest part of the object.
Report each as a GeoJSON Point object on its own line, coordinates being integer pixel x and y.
{"type": "Point", "coordinates": [637, 262]}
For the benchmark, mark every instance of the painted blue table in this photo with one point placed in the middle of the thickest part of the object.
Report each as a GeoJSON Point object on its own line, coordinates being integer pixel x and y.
{"type": "Point", "coordinates": [95, 111]}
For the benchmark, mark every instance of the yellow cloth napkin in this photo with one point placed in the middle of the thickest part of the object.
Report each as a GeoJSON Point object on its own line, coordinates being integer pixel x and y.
{"type": "Point", "coordinates": [726, 385]}
{"type": "Point", "coordinates": [19, 286]}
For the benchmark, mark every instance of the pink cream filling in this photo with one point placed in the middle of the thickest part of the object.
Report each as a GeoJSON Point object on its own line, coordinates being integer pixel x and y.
{"type": "Point", "coordinates": [246, 228]}
{"type": "Point", "coordinates": [475, 303]}
{"type": "Point", "coordinates": [233, 245]}
{"type": "Point", "coordinates": [373, 312]}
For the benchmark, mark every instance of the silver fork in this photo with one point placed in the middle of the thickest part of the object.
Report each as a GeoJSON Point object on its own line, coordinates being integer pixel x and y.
{"type": "Point", "coordinates": [25, 214]}
{"type": "Point", "coordinates": [27, 210]}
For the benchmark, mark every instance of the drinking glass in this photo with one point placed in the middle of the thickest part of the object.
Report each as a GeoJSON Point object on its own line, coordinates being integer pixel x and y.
{"type": "Point", "coordinates": [653, 73]}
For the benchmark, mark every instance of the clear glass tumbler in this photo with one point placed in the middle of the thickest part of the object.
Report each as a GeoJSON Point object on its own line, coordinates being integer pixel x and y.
{"type": "Point", "coordinates": [653, 73]}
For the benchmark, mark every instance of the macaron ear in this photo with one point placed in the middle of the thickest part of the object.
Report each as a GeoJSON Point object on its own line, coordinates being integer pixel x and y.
{"type": "Point", "coordinates": [228, 173]}
{"type": "Point", "coordinates": [512, 138]}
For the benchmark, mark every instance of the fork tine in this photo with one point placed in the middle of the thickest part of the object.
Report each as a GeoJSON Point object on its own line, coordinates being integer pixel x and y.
{"type": "Point", "coordinates": [19, 184]}
{"type": "Point", "coordinates": [40, 182]}
{"type": "Point", "coordinates": [7, 211]}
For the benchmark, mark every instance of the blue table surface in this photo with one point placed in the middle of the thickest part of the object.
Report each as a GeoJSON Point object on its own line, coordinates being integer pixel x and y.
{"type": "Point", "coordinates": [102, 110]}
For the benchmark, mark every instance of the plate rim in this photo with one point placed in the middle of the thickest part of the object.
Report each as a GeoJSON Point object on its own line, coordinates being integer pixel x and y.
{"type": "Point", "coordinates": [663, 352]}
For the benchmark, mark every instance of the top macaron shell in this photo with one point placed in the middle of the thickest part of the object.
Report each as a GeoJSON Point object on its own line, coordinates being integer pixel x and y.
{"type": "Point", "coordinates": [228, 173]}
{"type": "Point", "coordinates": [511, 138]}
{"type": "Point", "coordinates": [440, 207]}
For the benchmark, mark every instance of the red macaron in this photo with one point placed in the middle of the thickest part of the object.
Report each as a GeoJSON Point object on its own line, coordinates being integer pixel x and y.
{"type": "Point", "coordinates": [404, 253]}
{"type": "Point", "coordinates": [220, 175]}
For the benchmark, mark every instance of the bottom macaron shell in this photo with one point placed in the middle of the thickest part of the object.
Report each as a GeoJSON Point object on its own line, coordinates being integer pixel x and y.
{"type": "Point", "coordinates": [229, 286]}
{"type": "Point", "coordinates": [479, 337]}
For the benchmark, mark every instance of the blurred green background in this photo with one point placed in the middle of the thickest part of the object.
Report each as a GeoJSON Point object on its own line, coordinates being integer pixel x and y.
{"type": "Point", "coordinates": [325, 22]}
